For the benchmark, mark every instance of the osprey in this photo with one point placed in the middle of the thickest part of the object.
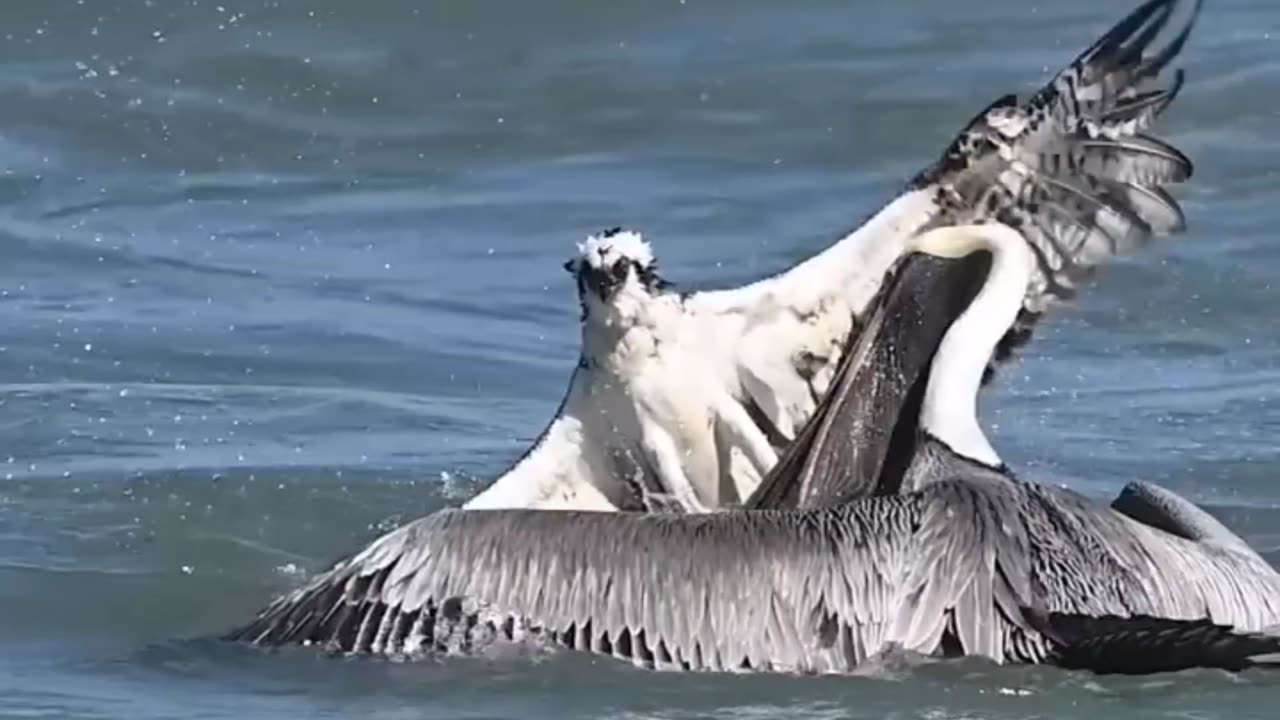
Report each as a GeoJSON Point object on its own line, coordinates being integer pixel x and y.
{"type": "Point", "coordinates": [684, 401]}
{"type": "Point", "coordinates": [632, 430]}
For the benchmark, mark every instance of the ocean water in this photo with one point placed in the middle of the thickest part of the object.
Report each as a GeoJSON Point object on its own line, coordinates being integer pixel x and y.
{"type": "Point", "coordinates": [276, 275]}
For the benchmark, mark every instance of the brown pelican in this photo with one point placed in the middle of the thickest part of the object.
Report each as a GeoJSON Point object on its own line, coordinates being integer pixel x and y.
{"type": "Point", "coordinates": [972, 562]}
{"type": "Point", "coordinates": [685, 400]}
{"type": "Point", "coordinates": [878, 394]}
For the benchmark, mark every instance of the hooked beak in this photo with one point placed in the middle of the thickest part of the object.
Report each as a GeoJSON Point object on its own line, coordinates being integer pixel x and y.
{"type": "Point", "coordinates": [861, 437]}
{"type": "Point", "coordinates": [603, 282]}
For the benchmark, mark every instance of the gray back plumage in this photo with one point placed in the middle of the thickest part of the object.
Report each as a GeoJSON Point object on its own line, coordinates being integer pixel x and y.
{"type": "Point", "coordinates": [1155, 554]}
{"type": "Point", "coordinates": [1113, 565]}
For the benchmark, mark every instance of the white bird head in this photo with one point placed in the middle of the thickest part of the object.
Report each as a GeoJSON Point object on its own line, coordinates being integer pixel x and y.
{"type": "Point", "coordinates": [616, 272]}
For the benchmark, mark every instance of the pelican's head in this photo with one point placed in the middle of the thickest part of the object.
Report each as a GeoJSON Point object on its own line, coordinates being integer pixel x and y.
{"type": "Point", "coordinates": [616, 272]}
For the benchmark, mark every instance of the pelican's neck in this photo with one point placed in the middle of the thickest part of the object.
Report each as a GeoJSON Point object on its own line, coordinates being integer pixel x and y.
{"type": "Point", "coordinates": [950, 408]}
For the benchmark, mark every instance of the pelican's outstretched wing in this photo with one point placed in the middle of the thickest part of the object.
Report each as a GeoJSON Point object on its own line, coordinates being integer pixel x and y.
{"type": "Point", "coordinates": [950, 568]}
{"type": "Point", "coordinates": [1072, 168]}
{"type": "Point", "coordinates": [815, 592]}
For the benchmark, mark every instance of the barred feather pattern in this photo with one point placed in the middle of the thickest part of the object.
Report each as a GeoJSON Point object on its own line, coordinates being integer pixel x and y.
{"type": "Point", "coordinates": [954, 565]}
{"type": "Point", "coordinates": [1073, 168]}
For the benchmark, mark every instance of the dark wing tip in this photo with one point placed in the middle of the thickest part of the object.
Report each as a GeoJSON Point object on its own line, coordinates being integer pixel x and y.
{"type": "Point", "coordinates": [1127, 40]}
{"type": "Point", "coordinates": [1143, 644]}
{"type": "Point", "coordinates": [1074, 168]}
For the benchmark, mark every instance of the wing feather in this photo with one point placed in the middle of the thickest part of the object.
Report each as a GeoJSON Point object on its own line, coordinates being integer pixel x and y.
{"type": "Point", "coordinates": [1074, 167]}
{"type": "Point", "coordinates": [732, 590]}
{"type": "Point", "coordinates": [952, 565]}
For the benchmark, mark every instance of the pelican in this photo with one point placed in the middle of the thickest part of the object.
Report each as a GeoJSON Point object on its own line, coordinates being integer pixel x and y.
{"type": "Point", "coordinates": [876, 399]}
{"type": "Point", "coordinates": [684, 401]}
{"type": "Point", "coordinates": [969, 560]}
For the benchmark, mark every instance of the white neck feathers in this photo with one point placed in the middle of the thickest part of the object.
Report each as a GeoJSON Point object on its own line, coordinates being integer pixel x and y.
{"type": "Point", "coordinates": [950, 410]}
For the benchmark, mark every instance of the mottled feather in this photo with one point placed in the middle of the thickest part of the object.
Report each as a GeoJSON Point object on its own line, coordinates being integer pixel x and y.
{"type": "Point", "coordinates": [1073, 168]}
{"type": "Point", "coordinates": [952, 565]}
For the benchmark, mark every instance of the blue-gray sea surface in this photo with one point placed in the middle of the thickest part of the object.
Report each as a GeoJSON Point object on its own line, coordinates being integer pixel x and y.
{"type": "Point", "coordinates": [278, 275]}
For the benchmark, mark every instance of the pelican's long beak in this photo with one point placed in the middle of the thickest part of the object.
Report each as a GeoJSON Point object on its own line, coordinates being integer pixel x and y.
{"type": "Point", "coordinates": [861, 437]}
